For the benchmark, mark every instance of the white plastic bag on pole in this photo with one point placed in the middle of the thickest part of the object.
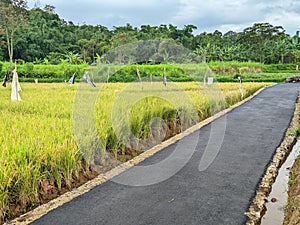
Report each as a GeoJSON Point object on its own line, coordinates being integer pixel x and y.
{"type": "Point", "coordinates": [15, 87]}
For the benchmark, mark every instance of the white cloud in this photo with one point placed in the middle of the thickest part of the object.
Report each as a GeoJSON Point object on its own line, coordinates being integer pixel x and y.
{"type": "Point", "coordinates": [115, 12]}
{"type": "Point", "coordinates": [289, 21]}
{"type": "Point", "coordinates": [218, 15]}
{"type": "Point", "coordinates": [206, 15]}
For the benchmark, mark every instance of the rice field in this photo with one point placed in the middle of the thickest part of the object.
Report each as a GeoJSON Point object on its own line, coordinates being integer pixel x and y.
{"type": "Point", "coordinates": [55, 126]}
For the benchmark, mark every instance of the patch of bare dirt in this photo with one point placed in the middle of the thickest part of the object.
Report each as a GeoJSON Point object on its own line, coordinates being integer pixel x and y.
{"type": "Point", "coordinates": [47, 192]}
{"type": "Point", "coordinates": [236, 70]}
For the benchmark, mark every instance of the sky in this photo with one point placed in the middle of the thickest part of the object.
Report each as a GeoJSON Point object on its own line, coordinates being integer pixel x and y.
{"type": "Point", "coordinates": [207, 15]}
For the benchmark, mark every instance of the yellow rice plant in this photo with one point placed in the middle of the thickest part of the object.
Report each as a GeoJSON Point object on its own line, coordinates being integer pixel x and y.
{"type": "Point", "coordinates": [37, 138]}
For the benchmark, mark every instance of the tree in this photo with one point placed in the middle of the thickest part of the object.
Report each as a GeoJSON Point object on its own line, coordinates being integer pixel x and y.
{"type": "Point", "coordinates": [284, 47]}
{"type": "Point", "coordinates": [72, 58]}
{"type": "Point", "coordinates": [49, 9]}
{"type": "Point", "coordinates": [122, 38]}
{"type": "Point", "coordinates": [296, 47]}
{"type": "Point", "coordinates": [148, 32]}
{"type": "Point", "coordinates": [13, 15]}
{"type": "Point", "coordinates": [204, 52]}
{"type": "Point", "coordinates": [255, 38]}
{"type": "Point", "coordinates": [88, 49]}
{"type": "Point", "coordinates": [43, 34]}
{"type": "Point", "coordinates": [188, 36]}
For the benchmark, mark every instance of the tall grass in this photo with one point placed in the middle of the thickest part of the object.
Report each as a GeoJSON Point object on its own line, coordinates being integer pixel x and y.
{"type": "Point", "coordinates": [255, 77]}
{"type": "Point", "coordinates": [37, 140]}
{"type": "Point", "coordinates": [234, 64]}
{"type": "Point", "coordinates": [59, 73]}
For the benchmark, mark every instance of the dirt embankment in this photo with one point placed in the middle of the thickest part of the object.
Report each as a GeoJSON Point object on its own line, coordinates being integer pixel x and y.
{"type": "Point", "coordinates": [47, 192]}
{"type": "Point", "coordinates": [236, 70]}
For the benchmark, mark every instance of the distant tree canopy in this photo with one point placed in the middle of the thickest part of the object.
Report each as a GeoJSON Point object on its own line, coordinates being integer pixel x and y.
{"type": "Point", "coordinates": [13, 15]}
{"type": "Point", "coordinates": [48, 38]}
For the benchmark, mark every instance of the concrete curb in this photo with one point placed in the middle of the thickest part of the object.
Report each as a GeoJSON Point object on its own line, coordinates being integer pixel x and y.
{"type": "Point", "coordinates": [102, 178]}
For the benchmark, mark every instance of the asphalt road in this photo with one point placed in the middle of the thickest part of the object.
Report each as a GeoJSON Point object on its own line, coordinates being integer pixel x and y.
{"type": "Point", "coordinates": [218, 194]}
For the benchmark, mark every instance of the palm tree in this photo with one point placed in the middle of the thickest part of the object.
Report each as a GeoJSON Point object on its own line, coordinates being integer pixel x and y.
{"type": "Point", "coordinates": [72, 58]}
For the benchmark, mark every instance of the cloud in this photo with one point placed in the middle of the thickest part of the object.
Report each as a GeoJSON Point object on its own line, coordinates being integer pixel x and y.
{"type": "Point", "coordinates": [115, 12]}
{"type": "Point", "coordinates": [289, 21]}
{"type": "Point", "coordinates": [283, 13]}
{"type": "Point", "coordinates": [207, 15]}
{"type": "Point", "coordinates": [217, 12]}
{"type": "Point", "coordinates": [236, 15]}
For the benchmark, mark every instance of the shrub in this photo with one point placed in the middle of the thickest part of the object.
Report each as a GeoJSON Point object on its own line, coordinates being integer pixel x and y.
{"type": "Point", "coordinates": [1, 65]}
{"type": "Point", "coordinates": [277, 68]}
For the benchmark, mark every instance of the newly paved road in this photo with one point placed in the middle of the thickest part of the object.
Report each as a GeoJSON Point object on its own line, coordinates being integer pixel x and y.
{"type": "Point", "coordinates": [218, 195]}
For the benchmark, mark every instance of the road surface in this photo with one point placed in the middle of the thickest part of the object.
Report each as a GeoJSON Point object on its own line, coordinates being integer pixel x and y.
{"type": "Point", "coordinates": [220, 194]}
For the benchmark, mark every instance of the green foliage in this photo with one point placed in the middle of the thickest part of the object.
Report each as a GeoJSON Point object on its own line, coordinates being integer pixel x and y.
{"type": "Point", "coordinates": [234, 64]}
{"type": "Point", "coordinates": [294, 132]}
{"type": "Point", "coordinates": [44, 72]}
{"type": "Point", "coordinates": [279, 68]}
{"type": "Point", "coordinates": [150, 72]}
{"type": "Point", "coordinates": [27, 69]}
{"type": "Point", "coordinates": [255, 77]}
{"type": "Point", "coordinates": [44, 80]}
{"type": "Point", "coordinates": [223, 72]}
{"type": "Point", "coordinates": [47, 36]}
{"type": "Point", "coordinates": [13, 16]}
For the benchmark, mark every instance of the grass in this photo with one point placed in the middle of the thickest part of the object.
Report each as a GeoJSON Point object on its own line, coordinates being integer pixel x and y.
{"type": "Point", "coordinates": [47, 72]}
{"type": "Point", "coordinates": [38, 141]}
{"type": "Point", "coordinates": [232, 67]}
{"type": "Point", "coordinates": [256, 77]}
{"type": "Point", "coordinates": [225, 71]}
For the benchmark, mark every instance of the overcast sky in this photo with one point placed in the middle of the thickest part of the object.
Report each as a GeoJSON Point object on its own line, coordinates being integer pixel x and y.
{"type": "Point", "coordinates": [207, 15]}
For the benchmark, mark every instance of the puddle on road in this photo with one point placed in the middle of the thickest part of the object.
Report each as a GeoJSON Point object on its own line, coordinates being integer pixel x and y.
{"type": "Point", "coordinates": [278, 196]}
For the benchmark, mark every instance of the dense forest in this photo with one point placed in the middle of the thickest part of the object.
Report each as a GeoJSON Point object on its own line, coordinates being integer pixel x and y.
{"type": "Point", "coordinates": [46, 38]}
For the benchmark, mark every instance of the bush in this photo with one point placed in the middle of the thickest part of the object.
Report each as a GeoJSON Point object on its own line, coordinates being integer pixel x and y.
{"type": "Point", "coordinates": [255, 77]}
{"type": "Point", "coordinates": [278, 68]}
{"type": "Point", "coordinates": [224, 72]}
{"type": "Point", "coordinates": [26, 70]}
{"type": "Point", "coordinates": [1, 65]}
{"type": "Point", "coordinates": [43, 80]}
{"type": "Point", "coordinates": [147, 72]}
{"type": "Point", "coordinates": [234, 65]}
{"type": "Point", "coordinates": [41, 71]}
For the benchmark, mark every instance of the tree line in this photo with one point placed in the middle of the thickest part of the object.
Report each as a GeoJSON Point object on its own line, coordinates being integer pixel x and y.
{"type": "Point", "coordinates": [39, 35]}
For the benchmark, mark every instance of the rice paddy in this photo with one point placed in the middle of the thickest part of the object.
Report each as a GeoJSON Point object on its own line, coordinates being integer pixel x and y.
{"type": "Point", "coordinates": [41, 136]}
